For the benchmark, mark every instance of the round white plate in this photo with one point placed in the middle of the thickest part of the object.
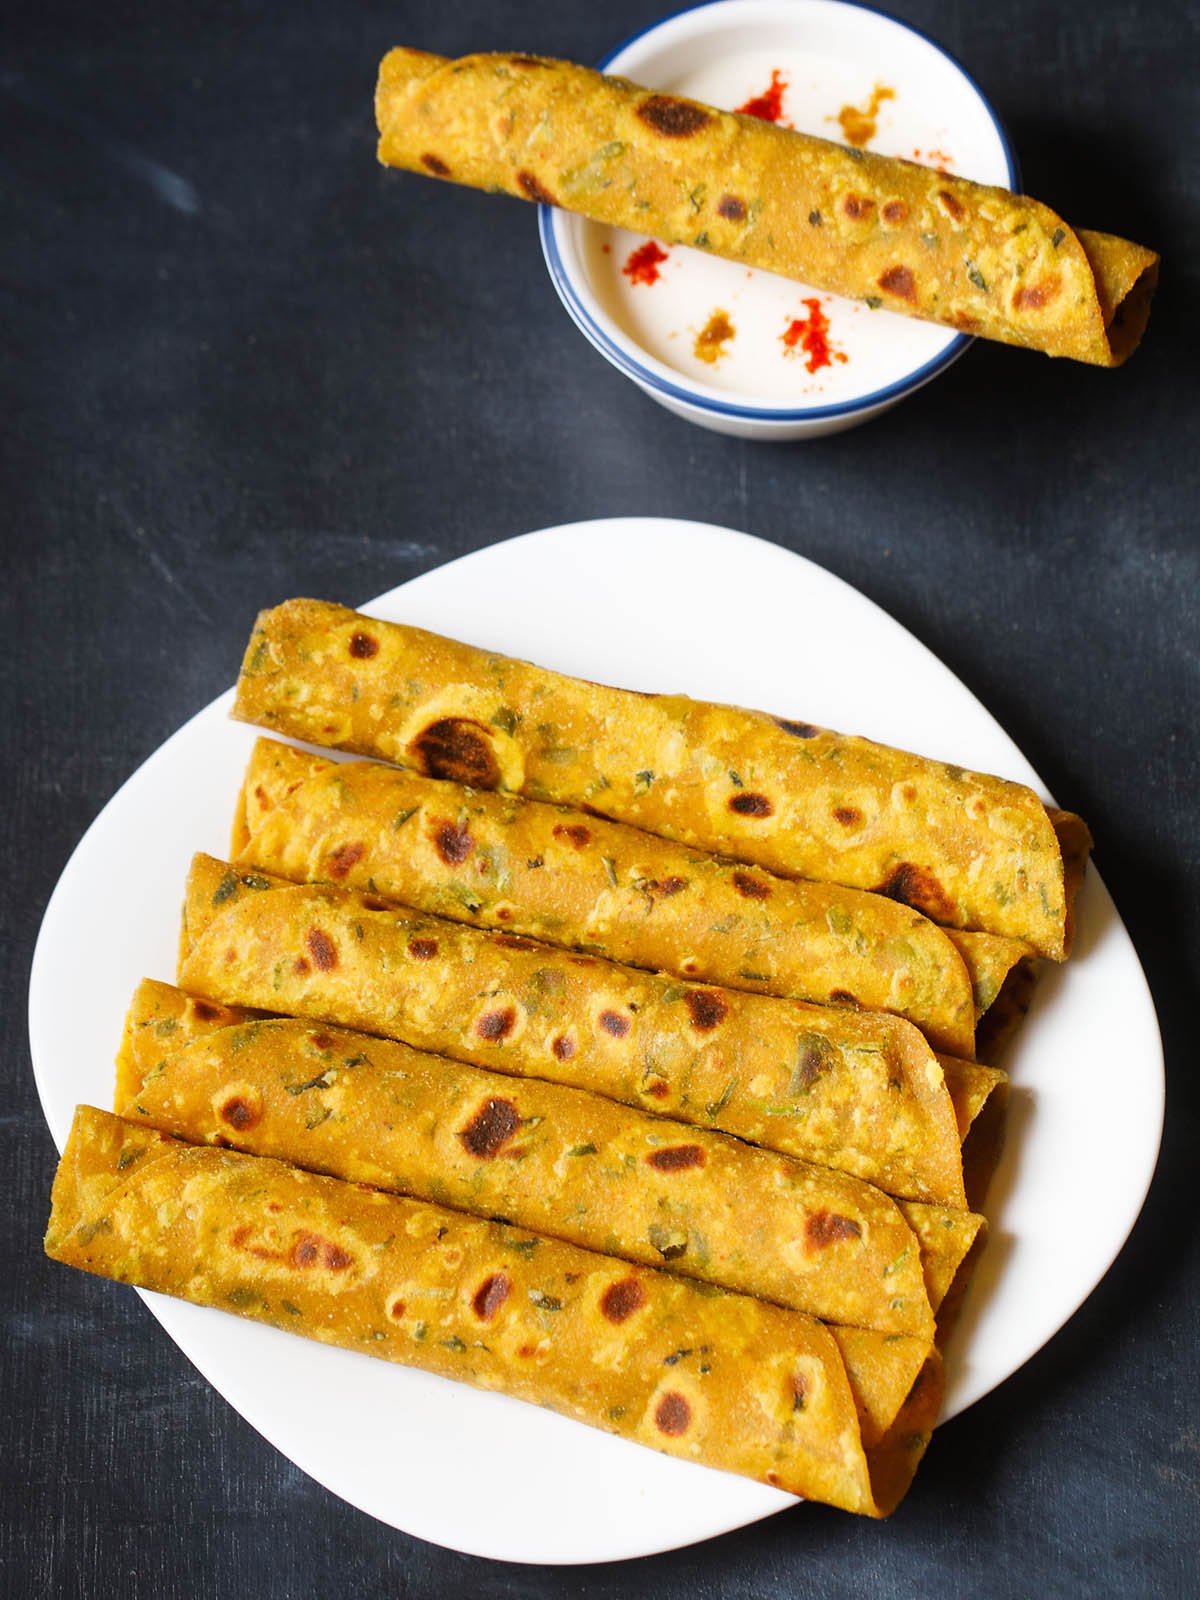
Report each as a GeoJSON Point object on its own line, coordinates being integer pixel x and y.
{"type": "Point", "coordinates": [654, 604]}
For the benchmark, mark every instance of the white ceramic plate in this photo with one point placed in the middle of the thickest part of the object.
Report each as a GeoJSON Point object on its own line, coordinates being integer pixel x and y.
{"type": "Point", "coordinates": [654, 604]}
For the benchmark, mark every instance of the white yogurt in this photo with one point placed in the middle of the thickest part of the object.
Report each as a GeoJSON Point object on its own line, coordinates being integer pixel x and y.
{"type": "Point", "coordinates": [829, 56]}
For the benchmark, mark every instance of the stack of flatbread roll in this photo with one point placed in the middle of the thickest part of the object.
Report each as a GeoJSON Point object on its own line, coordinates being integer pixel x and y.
{"type": "Point", "coordinates": [620, 1052]}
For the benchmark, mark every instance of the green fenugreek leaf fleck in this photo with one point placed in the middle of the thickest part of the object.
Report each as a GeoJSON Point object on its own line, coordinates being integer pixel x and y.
{"type": "Point", "coordinates": [226, 889]}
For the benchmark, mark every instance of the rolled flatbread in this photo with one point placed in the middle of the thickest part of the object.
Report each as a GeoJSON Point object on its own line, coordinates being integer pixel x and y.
{"type": "Point", "coordinates": [860, 1092]}
{"type": "Point", "coordinates": [720, 1379]}
{"type": "Point", "coordinates": [967, 850]}
{"type": "Point", "coordinates": [565, 1163]}
{"type": "Point", "coordinates": [568, 878]}
{"type": "Point", "coordinates": [874, 228]}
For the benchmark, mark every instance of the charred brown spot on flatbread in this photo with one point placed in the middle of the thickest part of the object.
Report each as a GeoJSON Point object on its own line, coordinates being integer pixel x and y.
{"type": "Point", "coordinates": [1033, 296]}
{"type": "Point", "coordinates": [320, 1041]}
{"type": "Point", "coordinates": [533, 188]}
{"type": "Point", "coordinates": [801, 730]}
{"type": "Point", "coordinates": [615, 1024]}
{"type": "Point", "coordinates": [798, 1392]}
{"type": "Point", "coordinates": [492, 1126]}
{"type": "Point", "coordinates": [917, 887]}
{"type": "Point", "coordinates": [322, 949]}
{"type": "Point", "coordinates": [747, 803]}
{"type": "Point", "coordinates": [514, 941]}
{"type": "Point", "coordinates": [664, 888]}
{"type": "Point", "coordinates": [707, 1009]}
{"type": "Point", "coordinates": [452, 841]}
{"type": "Point", "coordinates": [435, 164]}
{"type": "Point", "coordinates": [827, 1227]}
{"type": "Point", "coordinates": [422, 949]}
{"type": "Point", "coordinates": [574, 832]}
{"type": "Point", "coordinates": [241, 1111]}
{"type": "Point", "coordinates": [857, 207]}
{"type": "Point", "coordinates": [812, 1063]}
{"type": "Point", "coordinates": [951, 205]}
{"type": "Point", "coordinates": [204, 1011]}
{"type": "Point", "coordinates": [843, 997]}
{"type": "Point", "coordinates": [491, 1295]}
{"type": "Point", "coordinates": [658, 1089]}
{"type": "Point", "coordinates": [311, 1250]}
{"type": "Point", "coordinates": [676, 1158]}
{"type": "Point", "coordinates": [674, 119]}
{"type": "Point", "coordinates": [345, 857]}
{"type": "Point", "coordinates": [497, 1025]}
{"type": "Point", "coordinates": [458, 749]}
{"type": "Point", "coordinates": [751, 888]}
{"type": "Point", "coordinates": [301, 965]}
{"type": "Point", "coordinates": [894, 212]}
{"type": "Point", "coordinates": [731, 208]}
{"type": "Point", "coordinates": [363, 646]}
{"type": "Point", "coordinates": [563, 1047]}
{"type": "Point", "coordinates": [672, 1414]}
{"type": "Point", "coordinates": [899, 281]}
{"type": "Point", "coordinates": [848, 816]}
{"type": "Point", "coordinates": [397, 1309]}
{"type": "Point", "coordinates": [620, 1300]}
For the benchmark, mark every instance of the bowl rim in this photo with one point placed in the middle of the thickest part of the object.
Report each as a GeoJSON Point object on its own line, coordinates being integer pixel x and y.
{"type": "Point", "coordinates": [583, 317]}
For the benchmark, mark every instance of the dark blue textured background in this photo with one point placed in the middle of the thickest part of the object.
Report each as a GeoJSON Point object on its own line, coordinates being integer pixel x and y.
{"type": "Point", "coordinates": [242, 362]}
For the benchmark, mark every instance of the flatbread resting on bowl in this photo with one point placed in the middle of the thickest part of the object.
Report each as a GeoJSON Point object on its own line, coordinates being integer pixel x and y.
{"type": "Point", "coordinates": [909, 238]}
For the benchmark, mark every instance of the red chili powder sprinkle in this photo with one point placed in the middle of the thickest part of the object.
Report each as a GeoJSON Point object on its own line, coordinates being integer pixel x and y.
{"type": "Point", "coordinates": [767, 107]}
{"type": "Point", "coordinates": [643, 264]}
{"type": "Point", "coordinates": [811, 335]}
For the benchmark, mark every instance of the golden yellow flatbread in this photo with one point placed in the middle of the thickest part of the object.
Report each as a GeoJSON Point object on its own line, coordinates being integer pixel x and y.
{"type": "Point", "coordinates": [564, 1163]}
{"type": "Point", "coordinates": [860, 1092]}
{"type": "Point", "coordinates": [572, 879]}
{"type": "Point", "coordinates": [163, 1019]}
{"type": "Point", "coordinates": [716, 1378]}
{"type": "Point", "coordinates": [967, 850]}
{"type": "Point", "coordinates": [905, 237]}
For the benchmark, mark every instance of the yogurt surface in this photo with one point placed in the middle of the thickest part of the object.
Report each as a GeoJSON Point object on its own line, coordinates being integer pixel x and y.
{"type": "Point", "coordinates": [745, 334]}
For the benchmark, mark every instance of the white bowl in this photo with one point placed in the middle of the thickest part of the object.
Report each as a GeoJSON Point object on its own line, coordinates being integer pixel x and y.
{"type": "Point", "coordinates": [830, 54]}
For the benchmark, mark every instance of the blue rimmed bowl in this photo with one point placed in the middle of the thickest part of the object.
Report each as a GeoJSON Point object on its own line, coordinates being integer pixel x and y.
{"type": "Point", "coordinates": [739, 350]}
